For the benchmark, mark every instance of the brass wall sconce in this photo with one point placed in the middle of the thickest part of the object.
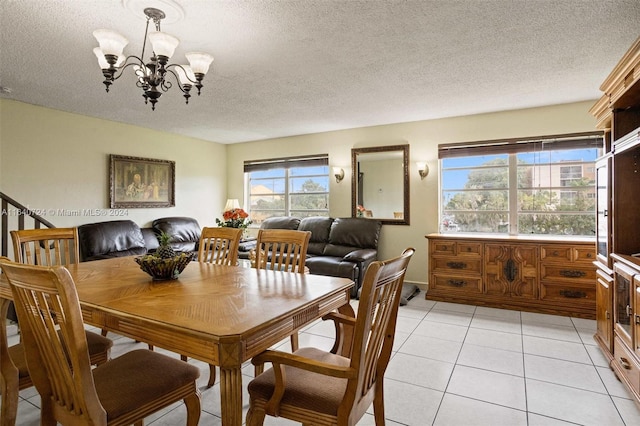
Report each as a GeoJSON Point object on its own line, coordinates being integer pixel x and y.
{"type": "Point", "coordinates": [423, 170]}
{"type": "Point", "coordinates": [338, 173]}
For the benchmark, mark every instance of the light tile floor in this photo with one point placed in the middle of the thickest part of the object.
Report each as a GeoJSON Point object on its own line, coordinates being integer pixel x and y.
{"type": "Point", "coordinates": [460, 365]}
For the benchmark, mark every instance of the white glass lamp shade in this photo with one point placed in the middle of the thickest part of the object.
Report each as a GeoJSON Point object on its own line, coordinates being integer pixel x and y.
{"type": "Point", "coordinates": [111, 43]}
{"type": "Point", "coordinates": [186, 76]}
{"type": "Point", "coordinates": [199, 62]}
{"type": "Point", "coordinates": [232, 203]}
{"type": "Point", "coordinates": [102, 61]}
{"type": "Point", "coordinates": [163, 43]}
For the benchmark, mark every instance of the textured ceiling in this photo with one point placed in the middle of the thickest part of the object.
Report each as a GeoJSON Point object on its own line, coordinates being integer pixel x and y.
{"type": "Point", "coordinates": [295, 67]}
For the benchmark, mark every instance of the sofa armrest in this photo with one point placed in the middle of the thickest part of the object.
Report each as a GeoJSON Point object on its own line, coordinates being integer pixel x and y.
{"type": "Point", "coordinates": [361, 255]}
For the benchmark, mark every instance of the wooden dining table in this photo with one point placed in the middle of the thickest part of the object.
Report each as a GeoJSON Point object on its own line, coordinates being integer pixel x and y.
{"type": "Point", "coordinates": [222, 315]}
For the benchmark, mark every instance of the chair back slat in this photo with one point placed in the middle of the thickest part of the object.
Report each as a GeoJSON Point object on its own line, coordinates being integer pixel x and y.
{"type": "Point", "coordinates": [219, 245]}
{"type": "Point", "coordinates": [46, 247]}
{"type": "Point", "coordinates": [55, 341]}
{"type": "Point", "coordinates": [282, 249]}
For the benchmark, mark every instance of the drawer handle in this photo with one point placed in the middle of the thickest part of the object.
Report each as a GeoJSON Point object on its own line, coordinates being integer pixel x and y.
{"type": "Point", "coordinates": [456, 265]}
{"type": "Point", "coordinates": [468, 248]}
{"type": "Point", "coordinates": [457, 283]}
{"type": "Point", "coordinates": [555, 253]}
{"type": "Point", "coordinates": [589, 255]}
{"type": "Point", "coordinates": [573, 294]}
{"type": "Point", "coordinates": [569, 273]}
{"type": "Point", "coordinates": [625, 363]}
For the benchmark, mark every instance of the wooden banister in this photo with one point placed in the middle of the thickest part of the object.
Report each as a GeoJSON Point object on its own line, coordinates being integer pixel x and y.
{"type": "Point", "coordinates": [11, 207]}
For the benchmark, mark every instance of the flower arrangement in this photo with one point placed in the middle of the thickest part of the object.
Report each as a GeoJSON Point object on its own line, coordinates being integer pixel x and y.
{"type": "Point", "coordinates": [360, 208]}
{"type": "Point", "coordinates": [234, 218]}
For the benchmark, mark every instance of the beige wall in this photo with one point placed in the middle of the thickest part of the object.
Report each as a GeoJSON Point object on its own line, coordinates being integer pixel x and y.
{"type": "Point", "coordinates": [423, 138]}
{"type": "Point", "coordinates": [54, 160]}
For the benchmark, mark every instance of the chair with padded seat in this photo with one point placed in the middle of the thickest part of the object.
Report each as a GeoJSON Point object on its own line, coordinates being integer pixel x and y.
{"type": "Point", "coordinates": [122, 391]}
{"type": "Point", "coordinates": [47, 247]}
{"type": "Point", "coordinates": [218, 246]}
{"type": "Point", "coordinates": [282, 250]}
{"type": "Point", "coordinates": [312, 386]}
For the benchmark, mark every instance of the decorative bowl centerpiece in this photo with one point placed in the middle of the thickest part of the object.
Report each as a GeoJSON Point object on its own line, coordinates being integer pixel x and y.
{"type": "Point", "coordinates": [165, 263]}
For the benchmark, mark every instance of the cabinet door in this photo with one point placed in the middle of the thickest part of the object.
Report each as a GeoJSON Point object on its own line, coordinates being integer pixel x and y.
{"type": "Point", "coordinates": [604, 326]}
{"type": "Point", "coordinates": [511, 270]}
{"type": "Point", "coordinates": [623, 309]}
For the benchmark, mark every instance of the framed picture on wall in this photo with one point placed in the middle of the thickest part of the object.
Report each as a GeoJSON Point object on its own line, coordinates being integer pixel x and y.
{"type": "Point", "coordinates": [141, 182]}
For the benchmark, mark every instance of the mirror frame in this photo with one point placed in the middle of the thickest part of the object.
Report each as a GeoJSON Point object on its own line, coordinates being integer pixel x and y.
{"type": "Point", "coordinates": [354, 180]}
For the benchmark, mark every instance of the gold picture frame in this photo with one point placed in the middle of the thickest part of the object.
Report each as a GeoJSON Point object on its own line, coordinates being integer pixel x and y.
{"type": "Point", "coordinates": [141, 182]}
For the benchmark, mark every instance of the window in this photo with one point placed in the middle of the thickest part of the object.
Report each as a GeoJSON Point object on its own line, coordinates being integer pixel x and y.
{"type": "Point", "coordinates": [540, 186]}
{"type": "Point", "coordinates": [297, 186]}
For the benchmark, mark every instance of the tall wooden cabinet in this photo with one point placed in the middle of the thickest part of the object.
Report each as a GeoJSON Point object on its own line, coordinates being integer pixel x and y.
{"type": "Point", "coordinates": [618, 220]}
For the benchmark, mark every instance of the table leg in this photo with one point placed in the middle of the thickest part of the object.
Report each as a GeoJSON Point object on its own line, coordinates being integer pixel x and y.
{"type": "Point", "coordinates": [8, 373]}
{"type": "Point", "coordinates": [231, 396]}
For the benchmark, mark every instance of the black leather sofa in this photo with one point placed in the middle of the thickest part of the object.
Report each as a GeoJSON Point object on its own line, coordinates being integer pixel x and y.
{"type": "Point", "coordinates": [118, 238]}
{"type": "Point", "coordinates": [339, 247]}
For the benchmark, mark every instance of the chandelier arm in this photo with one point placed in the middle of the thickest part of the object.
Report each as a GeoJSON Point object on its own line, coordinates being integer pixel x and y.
{"type": "Point", "coordinates": [176, 75]}
{"type": "Point", "coordinates": [121, 68]}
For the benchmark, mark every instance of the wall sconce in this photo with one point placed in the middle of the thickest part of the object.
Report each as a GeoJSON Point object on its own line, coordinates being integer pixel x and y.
{"type": "Point", "coordinates": [423, 170]}
{"type": "Point", "coordinates": [338, 173]}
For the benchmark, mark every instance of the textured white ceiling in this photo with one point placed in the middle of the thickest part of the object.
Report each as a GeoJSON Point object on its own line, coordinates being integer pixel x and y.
{"type": "Point", "coordinates": [304, 66]}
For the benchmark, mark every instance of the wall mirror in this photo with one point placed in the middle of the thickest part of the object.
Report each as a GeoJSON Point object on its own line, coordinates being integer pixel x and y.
{"type": "Point", "coordinates": [380, 183]}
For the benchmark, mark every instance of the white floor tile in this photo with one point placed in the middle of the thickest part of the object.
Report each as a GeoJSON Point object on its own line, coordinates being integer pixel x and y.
{"type": "Point", "coordinates": [551, 348]}
{"type": "Point", "coordinates": [494, 339]}
{"type": "Point", "coordinates": [488, 386]}
{"type": "Point", "coordinates": [416, 370]}
{"type": "Point", "coordinates": [492, 359]}
{"type": "Point", "coordinates": [612, 384]}
{"type": "Point", "coordinates": [454, 307]}
{"type": "Point", "coordinates": [628, 410]}
{"type": "Point", "coordinates": [551, 331]}
{"type": "Point", "coordinates": [449, 317]}
{"type": "Point", "coordinates": [566, 373]}
{"type": "Point", "coordinates": [571, 405]}
{"type": "Point", "coordinates": [439, 330]}
{"type": "Point", "coordinates": [535, 318]}
{"type": "Point", "coordinates": [538, 420]}
{"type": "Point", "coordinates": [497, 324]}
{"type": "Point", "coordinates": [428, 347]}
{"type": "Point", "coordinates": [410, 404]}
{"type": "Point", "coordinates": [457, 410]}
{"type": "Point", "coordinates": [498, 313]}
{"type": "Point", "coordinates": [596, 355]}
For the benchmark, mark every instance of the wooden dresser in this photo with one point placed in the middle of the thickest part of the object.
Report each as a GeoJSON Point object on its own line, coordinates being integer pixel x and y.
{"type": "Point", "coordinates": [617, 231]}
{"type": "Point", "coordinates": [533, 274]}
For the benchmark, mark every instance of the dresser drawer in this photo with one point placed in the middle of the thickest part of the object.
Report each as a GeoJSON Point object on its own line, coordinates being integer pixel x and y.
{"type": "Point", "coordinates": [556, 252]}
{"type": "Point", "coordinates": [470, 248]}
{"type": "Point", "coordinates": [568, 272]}
{"type": "Point", "coordinates": [585, 254]}
{"type": "Point", "coordinates": [568, 293]}
{"type": "Point", "coordinates": [626, 363]}
{"type": "Point", "coordinates": [443, 247]}
{"type": "Point", "coordinates": [457, 264]}
{"type": "Point", "coordinates": [457, 284]}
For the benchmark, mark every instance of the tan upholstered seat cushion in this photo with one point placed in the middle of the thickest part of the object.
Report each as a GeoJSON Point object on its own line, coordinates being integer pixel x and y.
{"type": "Point", "coordinates": [137, 378]}
{"type": "Point", "coordinates": [310, 391]}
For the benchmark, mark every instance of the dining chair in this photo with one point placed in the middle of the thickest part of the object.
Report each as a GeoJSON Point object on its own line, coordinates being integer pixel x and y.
{"type": "Point", "coordinates": [317, 387]}
{"type": "Point", "coordinates": [122, 391]}
{"type": "Point", "coordinates": [282, 250]}
{"type": "Point", "coordinates": [46, 247]}
{"type": "Point", "coordinates": [218, 245]}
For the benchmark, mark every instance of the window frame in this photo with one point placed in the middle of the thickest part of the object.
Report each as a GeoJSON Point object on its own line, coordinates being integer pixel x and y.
{"type": "Point", "coordinates": [286, 164]}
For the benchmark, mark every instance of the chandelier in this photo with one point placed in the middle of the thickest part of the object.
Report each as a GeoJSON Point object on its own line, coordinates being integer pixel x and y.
{"type": "Point", "coordinates": [152, 76]}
